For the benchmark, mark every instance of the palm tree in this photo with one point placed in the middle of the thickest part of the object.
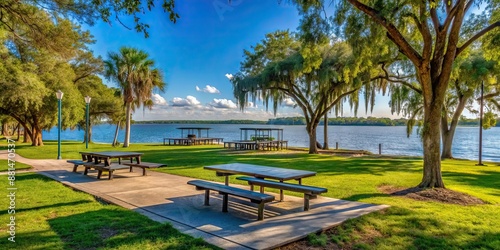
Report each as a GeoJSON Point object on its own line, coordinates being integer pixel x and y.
{"type": "Point", "coordinates": [137, 77]}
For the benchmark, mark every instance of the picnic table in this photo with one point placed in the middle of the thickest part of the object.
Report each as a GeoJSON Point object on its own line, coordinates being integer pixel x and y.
{"type": "Point", "coordinates": [108, 155]}
{"type": "Point", "coordinates": [261, 172]}
{"type": "Point", "coordinates": [94, 161]}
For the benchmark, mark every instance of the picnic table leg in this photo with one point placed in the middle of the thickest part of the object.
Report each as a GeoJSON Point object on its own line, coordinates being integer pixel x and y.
{"type": "Point", "coordinates": [224, 202]}
{"type": "Point", "coordinates": [99, 173]}
{"type": "Point", "coordinates": [306, 202]}
{"type": "Point", "coordinates": [110, 174]}
{"type": "Point", "coordinates": [207, 197]}
{"type": "Point", "coordinates": [281, 193]}
{"type": "Point", "coordinates": [261, 211]}
{"type": "Point", "coordinates": [226, 180]}
{"type": "Point", "coordinates": [143, 171]}
{"type": "Point", "coordinates": [261, 187]}
{"type": "Point", "coordinates": [138, 159]}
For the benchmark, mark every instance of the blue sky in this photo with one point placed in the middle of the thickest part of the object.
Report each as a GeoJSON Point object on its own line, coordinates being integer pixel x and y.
{"type": "Point", "coordinates": [197, 52]}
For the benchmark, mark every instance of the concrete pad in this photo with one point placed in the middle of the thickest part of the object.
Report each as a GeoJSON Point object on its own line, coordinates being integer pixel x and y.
{"type": "Point", "coordinates": [167, 198]}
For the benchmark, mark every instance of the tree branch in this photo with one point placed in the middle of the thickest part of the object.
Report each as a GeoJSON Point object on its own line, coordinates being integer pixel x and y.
{"type": "Point", "coordinates": [392, 32]}
{"type": "Point", "coordinates": [451, 15]}
{"type": "Point", "coordinates": [387, 76]}
{"type": "Point", "coordinates": [426, 33]}
{"type": "Point", "coordinates": [447, 4]}
{"type": "Point", "coordinates": [451, 50]}
{"type": "Point", "coordinates": [468, 5]}
{"type": "Point", "coordinates": [435, 20]}
{"type": "Point", "coordinates": [477, 36]}
{"type": "Point", "coordinates": [489, 96]}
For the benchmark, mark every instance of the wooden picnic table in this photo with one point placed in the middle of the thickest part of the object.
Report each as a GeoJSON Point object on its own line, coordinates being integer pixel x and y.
{"type": "Point", "coordinates": [258, 171]}
{"type": "Point", "coordinates": [108, 155]}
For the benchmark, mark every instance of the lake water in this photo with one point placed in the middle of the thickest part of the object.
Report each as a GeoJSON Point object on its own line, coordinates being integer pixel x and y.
{"type": "Point", "coordinates": [393, 139]}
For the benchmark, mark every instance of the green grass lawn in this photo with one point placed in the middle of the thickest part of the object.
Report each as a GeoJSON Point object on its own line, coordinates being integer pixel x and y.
{"type": "Point", "coordinates": [49, 215]}
{"type": "Point", "coordinates": [407, 224]}
{"type": "Point", "coordinates": [4, 165]}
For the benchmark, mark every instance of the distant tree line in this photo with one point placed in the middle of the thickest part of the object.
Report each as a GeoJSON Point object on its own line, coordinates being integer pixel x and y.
{"type": "Point", "coordinates": [343, 121]}
{"type": "Point", "coordinates": [356, 121]}
{"type": "Point", "coordinates": [362, 121]}
{"type": "Point", "coordinates": [202, 122]}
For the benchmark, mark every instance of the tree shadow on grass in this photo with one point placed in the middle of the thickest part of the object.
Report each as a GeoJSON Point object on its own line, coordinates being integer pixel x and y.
{"type": "Point", "coordinates": [186, 158]}
{"type": "Point", "coordinates": [485, 178]}
{"type": "Point", "coordinates": [112, 228]}
{"type": "Point", "coordinates": [357, 197]}
{"type": "Point", "coordinates": [432, 232]}
{"type": "Point", "coordinates": [480, 240]}
{"type": "Point", "coordinates": [56, 205]}
{"type": "Point", "coordinates": [484, 241]}
{"type": "Point", "coordinates": [37, 239]}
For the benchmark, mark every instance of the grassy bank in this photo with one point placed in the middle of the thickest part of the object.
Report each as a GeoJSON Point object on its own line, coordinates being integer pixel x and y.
{"type": "Point", "coordinates": [408, 224]}
{"type": "Point", "coordinates": [4, 165]}
{"type": "Point", "coordinates": [49, 215]}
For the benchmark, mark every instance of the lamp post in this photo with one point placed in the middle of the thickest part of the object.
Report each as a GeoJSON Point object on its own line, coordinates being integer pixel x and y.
{"type": "Point", "coordinates": [87, 101]}
{"type": "Point", "coordinates": [59, 95]}
{"type": "Point", "coordinates": [480, 163]}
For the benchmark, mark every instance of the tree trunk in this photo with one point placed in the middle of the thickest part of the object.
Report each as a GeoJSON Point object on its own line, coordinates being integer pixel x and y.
{"type": "Point", "coordinates": [5, 129]}
{"type": "Point", "coordinates": [311, 131]}
{"type": "Point", "coordinates": [90, 134]}
{"type": "Point", "coordinates": [28, 136]}
{"type": "Point", "coordinates": [33, 136]}
{"type": "Point", "coordinates": [447, 143]}
{"type": "Point", "coordinates": [84, 136]}
{"type": "Point", "coordinates": [128, 112]}
{"type": "Point", "coordinates": [431, 142]}
{"type": "Point", "coordinates": [325, 130]}
{"type": "Point", "coordinates": [449, 133]}
{"type": "Point", "coordinates": [40, 139]}
{"type": "Point", "coordinates": [14, 129]}
{"type": "Point", "coordinates": [18, 131]}
{"type": "Point", "coordinates": [37, 137]}
{"type": "Point", "coordinates": [115, 140]}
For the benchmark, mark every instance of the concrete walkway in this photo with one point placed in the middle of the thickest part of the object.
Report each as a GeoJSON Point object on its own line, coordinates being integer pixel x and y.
{"type": "Point", "coordinates": [167, 198]}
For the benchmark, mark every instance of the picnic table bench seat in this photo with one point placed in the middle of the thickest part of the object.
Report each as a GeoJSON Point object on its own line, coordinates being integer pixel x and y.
{"type": "Point", "coordinates": [254, 197]}
{"type": "Point", "coordinates": [144, 165]}
{"type": "Point", "coordinates": [310, 192]}
{"type": "Point", "coordinates": [100, 167]}
{"type": "Point", "coordinates": [76, 163]}
{"type": "Point", "coordinates": [110, 169]}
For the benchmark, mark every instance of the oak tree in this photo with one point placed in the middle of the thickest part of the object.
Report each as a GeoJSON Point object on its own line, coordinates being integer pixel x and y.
{"type": "Point", "coordinates": [428, 34]}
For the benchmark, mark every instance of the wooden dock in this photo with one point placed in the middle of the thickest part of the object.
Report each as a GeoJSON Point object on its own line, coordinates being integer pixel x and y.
{"type": "Point", "coordinates": [256, 145]}
{"type": "Point", "coordinates": [192, 141]}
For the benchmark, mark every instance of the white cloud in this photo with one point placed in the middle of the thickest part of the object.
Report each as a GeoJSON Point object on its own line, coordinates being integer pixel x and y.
{"type": "Point", "coordinates": [204, 113]}
{"type": "Point", "coordinates": [251, 105]}
{"type": "Point", "coordinates": [229, 76]}
{"type": "Point", "coordinates": [223, 104]}
{"type": "Point", "coordinates": [158, 100]}
{"type": "Point", "coordinates": [190, 101]}
{"type": "Point", "coordinates": [288, 102]}
{"type": "Point", "coordinates": [208, 89]}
